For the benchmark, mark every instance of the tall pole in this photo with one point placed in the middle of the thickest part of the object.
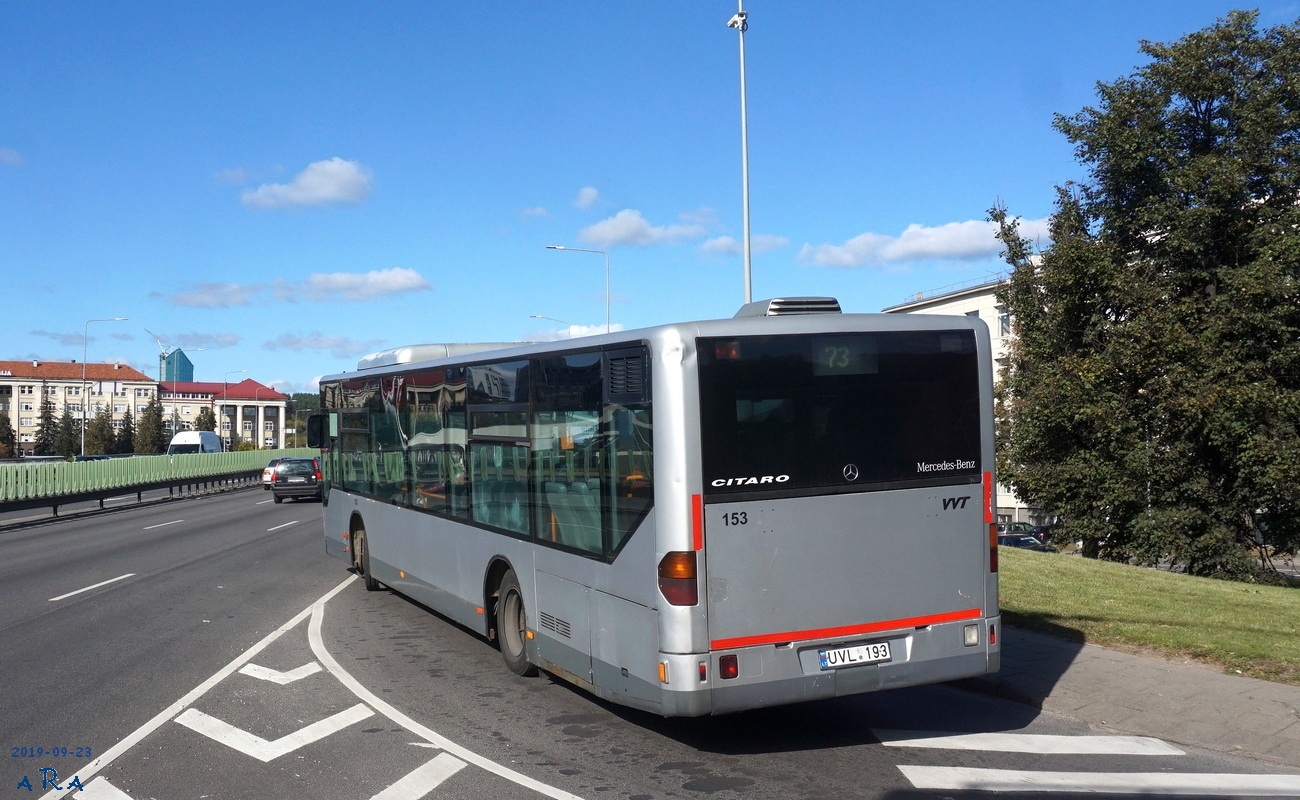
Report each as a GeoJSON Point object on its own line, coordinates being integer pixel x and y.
{"type": "Point", "coordinates": [741, 24]}
{"type": "Point", "coordinates": [603, 253]}
{"type": "Point", "coordinates": [85, 338]}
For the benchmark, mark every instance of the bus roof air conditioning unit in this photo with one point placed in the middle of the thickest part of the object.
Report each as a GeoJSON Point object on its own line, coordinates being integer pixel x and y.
{"type": "Point", "coordinates": [783, 306]}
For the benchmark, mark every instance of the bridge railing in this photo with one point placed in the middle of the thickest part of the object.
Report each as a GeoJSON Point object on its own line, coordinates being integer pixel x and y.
{"type": "Point", "coordinates": [46, 483]}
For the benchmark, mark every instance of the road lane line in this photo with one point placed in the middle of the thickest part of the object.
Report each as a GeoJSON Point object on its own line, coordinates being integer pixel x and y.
{"type": "Point", "coordinates": [423, 779]}
{"type": "Point", "coordinates": [1187, 784]}
{"type": "Point", "coordinates": [374, 701]}
{"type": "Point", "coordinates": [250, 744]}
{"type": "Point", "coordinates": [163, 524]}
{"type": "Point", "coordinates": [134, 738]}
{"type": "Point", "coordinates": [285, 525]}
{"type": "Point", "coordinates": [96, 586]}
{"type": "Point", "coordinates": [1030, 743]}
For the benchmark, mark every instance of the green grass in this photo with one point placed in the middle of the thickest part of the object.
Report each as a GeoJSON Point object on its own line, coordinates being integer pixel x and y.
{"type": "Point", "coordinates": [1241, 627]}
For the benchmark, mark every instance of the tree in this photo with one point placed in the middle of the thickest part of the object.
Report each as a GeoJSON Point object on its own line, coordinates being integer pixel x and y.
{"type": "Point", "coordinates": [100, 437]}
{"type": "Point", "coordinates": [124, 441]}
{"type": "Point", "coordinates": [45, 443]}
{"type": "Point", "coordinates": [68, 440]}
{"type": "Point", "coordinates": [1153, 393]}
{"type": "Point", "coordinates": [8, 439]}
{"type": "Point", "coordinates": [206, 420]}
{"type": "Point", "coordinates": [300, 405]}
{"type": "Point", "coordinates": [151, 434]}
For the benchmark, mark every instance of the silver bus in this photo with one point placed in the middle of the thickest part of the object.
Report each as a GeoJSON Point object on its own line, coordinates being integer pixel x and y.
{"type": "Point", "coordinates": [689, 519]}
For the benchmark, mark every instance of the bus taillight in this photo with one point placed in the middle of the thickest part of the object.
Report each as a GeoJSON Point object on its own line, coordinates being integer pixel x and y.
{"type": "Point", "coordinates": [993, 547]}
{"type": "Point", "coordinates": [677, 580]}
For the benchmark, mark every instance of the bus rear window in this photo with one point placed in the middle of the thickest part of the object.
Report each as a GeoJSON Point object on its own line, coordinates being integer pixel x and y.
{"type": "Point", "coordinates": [838, 412]}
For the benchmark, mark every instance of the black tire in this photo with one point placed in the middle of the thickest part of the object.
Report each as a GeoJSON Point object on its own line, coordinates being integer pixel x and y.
{"type": "Point", "coordinates": [361, 560]}
{"type": "Point", "coordinates": [277, 498]}
{"type": "Point", "coordinates": [512, 626]}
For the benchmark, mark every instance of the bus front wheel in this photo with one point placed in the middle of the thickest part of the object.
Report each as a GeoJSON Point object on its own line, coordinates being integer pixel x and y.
{"type": "Point", "coordinates": [512, 622]}
{"type": "Point", "coordinates": [361, 559]}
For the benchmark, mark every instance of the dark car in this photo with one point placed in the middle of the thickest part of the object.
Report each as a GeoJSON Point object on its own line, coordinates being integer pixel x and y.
{"type": "Point", "coordinates": [1024, 541]}
{"type": "Point", "coordinates": [296, 477]}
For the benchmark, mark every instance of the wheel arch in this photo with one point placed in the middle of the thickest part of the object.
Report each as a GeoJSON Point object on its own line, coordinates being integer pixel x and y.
{"type": "Point", "coordinates": [496, 570]}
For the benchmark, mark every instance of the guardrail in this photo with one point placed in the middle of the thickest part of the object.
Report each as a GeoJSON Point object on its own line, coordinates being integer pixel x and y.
{"type": "Point", "coordinates": [52, 484]}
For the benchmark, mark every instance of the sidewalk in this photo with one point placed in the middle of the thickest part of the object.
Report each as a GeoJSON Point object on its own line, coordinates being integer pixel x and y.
{"type": "Point", "coordinates": [1182, 702]}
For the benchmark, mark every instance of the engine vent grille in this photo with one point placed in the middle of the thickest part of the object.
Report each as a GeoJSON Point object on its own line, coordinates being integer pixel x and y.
{"type": "Point", "coordinates": [556, 625]}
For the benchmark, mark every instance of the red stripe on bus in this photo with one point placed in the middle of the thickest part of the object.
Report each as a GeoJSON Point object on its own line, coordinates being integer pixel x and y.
{"type": "Point", "coordinates": [697, 521]}
{"type": "Point", "coordinates": [846, 630]}
{"type": "Point", "coordinates": [988, 497]}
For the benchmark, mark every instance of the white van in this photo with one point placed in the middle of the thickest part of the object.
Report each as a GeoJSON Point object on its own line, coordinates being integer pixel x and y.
{"type": "Point", "coordinates": [195, 442]}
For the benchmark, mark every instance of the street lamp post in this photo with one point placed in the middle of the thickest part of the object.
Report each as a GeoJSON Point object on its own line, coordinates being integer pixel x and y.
{"type": "Point", "coordinates": [225, 396]}
{"type": "Point", "coordinates": [568, 326]}
{"type": "Point", "coordinates": [740, 21]}
{"type": "Point", "coordinates": [603, 253]}
{"type": "Point", "coordinates": [85, 334]}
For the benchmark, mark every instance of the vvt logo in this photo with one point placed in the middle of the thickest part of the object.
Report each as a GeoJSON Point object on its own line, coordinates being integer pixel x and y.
{"type": "Point", "coordinates": [954, 502]}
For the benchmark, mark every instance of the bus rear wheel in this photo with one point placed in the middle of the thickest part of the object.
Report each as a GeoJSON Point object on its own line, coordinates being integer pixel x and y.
{"type": "Point", "coordinates": [361, 559]}
{"type": "Point", "coordinates": [512, 625]}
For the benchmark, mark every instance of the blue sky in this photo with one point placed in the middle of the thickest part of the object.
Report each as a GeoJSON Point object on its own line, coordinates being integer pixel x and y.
{"type": "Point", "coordinates": [283, 188]}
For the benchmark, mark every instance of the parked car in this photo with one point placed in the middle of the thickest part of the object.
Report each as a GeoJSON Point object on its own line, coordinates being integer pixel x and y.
{"type": "Point", "coordinates": [1043, 533]}
{"type": "Point", "coordinates": [296, 477]}
{"type": "Point", "coordinates": [1024, 541]}
{"type": "Point", "coordinates": [1014, 528]}
{"type": "Point", "coordinates": [269, 471]}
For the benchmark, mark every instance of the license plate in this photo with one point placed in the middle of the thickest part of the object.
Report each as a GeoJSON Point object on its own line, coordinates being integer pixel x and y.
{"type": "Point", "coordinates": [297, 480]}
{"type": "Point", "coordinates": [835, 658]}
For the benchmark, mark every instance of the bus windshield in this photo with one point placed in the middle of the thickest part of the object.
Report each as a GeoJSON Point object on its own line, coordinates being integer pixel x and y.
{"type": "Point", "coordinates": [808, 414]}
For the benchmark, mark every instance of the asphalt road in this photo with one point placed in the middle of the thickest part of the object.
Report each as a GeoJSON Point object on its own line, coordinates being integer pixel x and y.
{"type": "Point", "coordinates": [221, 654]}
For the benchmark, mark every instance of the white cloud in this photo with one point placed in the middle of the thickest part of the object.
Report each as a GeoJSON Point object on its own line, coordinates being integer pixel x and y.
{"type": "Point", "coordinates": [337, 346]}
{"type": "Point", "coordinates": [353, 286]}
{"type": "Point", "coordinates": [587, 197]}
{"type": "Point", "coordinates": [12, 157]}
{"type": "Point", "coordinates": [629, 227]}
{"type": "Point", "coordinates": [235, 175]}
{"type": "Point", "coordinates": [959, 241]}
{"type": "Point", "coordinates": [217, 295]}
{"type": "Point", "coordinates": [730, 246]}
{"type": "Point", "coordinates": [571, 332]}
{"type": "Point", "coordinates": [318, 288]}
{"type": "Point", "coordinates": [536, 212]}
{"type": "Point", "coordinates": [321, 183]}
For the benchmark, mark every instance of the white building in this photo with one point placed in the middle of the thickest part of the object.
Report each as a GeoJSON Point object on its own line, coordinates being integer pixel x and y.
{"type": "Point", "coordinates": [255, 411]}
{"type": "Point", "coordinates": [977, 299]}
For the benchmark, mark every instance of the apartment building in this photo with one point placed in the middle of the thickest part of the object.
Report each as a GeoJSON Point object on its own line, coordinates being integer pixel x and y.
{"type": "Point", "coordinates": [81, 389]}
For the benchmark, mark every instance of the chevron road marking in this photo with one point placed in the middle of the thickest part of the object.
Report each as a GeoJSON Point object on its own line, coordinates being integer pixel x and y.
{"type": "Point", "coordinates": [101, 789]}
{"type": "Point", "coordinates": [423, 780]}
{"type": "Point", "coordinates": [282, 678]}
{"type": "Point", "coordinates": [261, 749]}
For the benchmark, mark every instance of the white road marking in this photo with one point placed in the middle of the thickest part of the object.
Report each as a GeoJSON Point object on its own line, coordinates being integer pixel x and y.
{"type": "Point", "coordinates": [251, 744]}
{"type": "Point", "coordinates": [1030, 743]}
{"type": "Point", "coordinates": [423, 780]}
{"type": "Point", "coordinates": [371, 699]}
{"type": "Point", "coordinates": [285, 525]}
{"type": "Point", "coordinates": [163, 524]}
{"type": "Point", "coordinates": [134, 738]}
{"type": "Point", "coordinates": [282, 678]}
{"type": "Point", "coordinates": [101, 789]}
{"type": "Point", "coordinates": [96, 586]}
{"type": "Point", "coordinates": [1186, 784]}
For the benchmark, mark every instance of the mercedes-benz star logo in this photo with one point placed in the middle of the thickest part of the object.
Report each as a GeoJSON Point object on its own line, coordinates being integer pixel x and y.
{"type": "Point", "coordinates": [850, 472]}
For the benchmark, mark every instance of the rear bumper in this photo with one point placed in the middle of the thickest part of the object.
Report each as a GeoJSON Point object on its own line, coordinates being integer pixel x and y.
{"type": "Point", "coordinates": [772, 675]}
